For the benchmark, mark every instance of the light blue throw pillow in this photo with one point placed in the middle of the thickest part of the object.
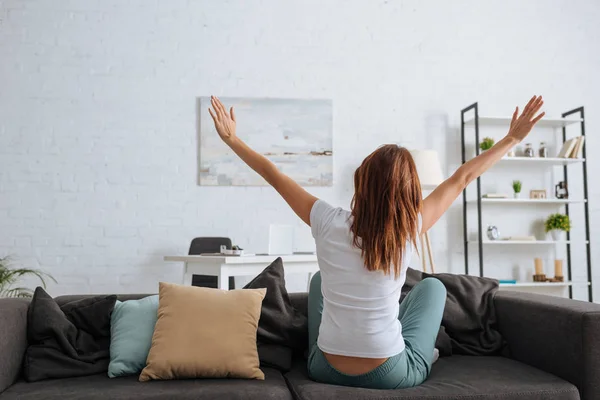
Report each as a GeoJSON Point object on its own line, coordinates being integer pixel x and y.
{"type": "Point", "coordinates": [132, 325]}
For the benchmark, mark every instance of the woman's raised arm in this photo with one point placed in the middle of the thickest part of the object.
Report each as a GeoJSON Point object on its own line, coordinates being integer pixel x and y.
{"type": "Point", "coordinates": [298, 199]}
{"type": "Point", "coordinates": [436, 204]}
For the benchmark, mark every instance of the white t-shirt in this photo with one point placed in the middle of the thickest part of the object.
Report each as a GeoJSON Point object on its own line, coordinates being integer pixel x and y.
{"type": "Point", "coordinates": [360, 307]}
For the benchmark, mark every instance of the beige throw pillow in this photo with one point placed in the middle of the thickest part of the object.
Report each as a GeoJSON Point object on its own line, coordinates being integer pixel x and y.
{"type": "Point", "coordinates": [203, 332]}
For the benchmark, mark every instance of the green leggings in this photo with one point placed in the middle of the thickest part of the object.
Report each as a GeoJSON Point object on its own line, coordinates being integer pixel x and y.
{"type": "Point", "coordinates": [420, 315]}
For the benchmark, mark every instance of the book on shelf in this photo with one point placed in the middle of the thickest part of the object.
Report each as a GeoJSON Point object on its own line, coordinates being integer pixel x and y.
{"type": "Point", "coordinates": [572, 148]}
{"type": "Point", "coordinates": [507, 281]}
{"type": "Point", "coordinates": [520, 238]}
{"type": "Point", "coordinates": [494, 196]}
{"type": "Point", "coordinates": [567, 148]}
{"type": "Point", "coordinates": [578, 149]}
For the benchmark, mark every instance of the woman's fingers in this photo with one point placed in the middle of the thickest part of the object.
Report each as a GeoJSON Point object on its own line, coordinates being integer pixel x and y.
{"type": "Point", "coordinates": [214, 117]}
{"type": "Point", "coordinates": [221, 106]}
{"type": "Point", "coordinates": [532, 108]}
{"type": "Point", "coordinates": [528, 105]}
{"type": "Point", "coordinates": [536, 107]}
{"type": "Point", "coordinates": [220, 109]}
{"type": "Point", "coordinates": [515, 115]}
{"type": "Point", "coordinates": [538, 118]}
{"type": "Point", "coordinates": [527, 109]}
{"type": "Point", "coordinates": [537, 104]}
{"type": "Point", "coordinates": [213, 101]}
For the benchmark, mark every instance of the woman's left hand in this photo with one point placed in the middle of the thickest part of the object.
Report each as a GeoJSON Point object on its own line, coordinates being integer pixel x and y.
{"type": "Point", "coordinates": [521, 125]}
{"type": "Point", "coordinates": [224, 121]}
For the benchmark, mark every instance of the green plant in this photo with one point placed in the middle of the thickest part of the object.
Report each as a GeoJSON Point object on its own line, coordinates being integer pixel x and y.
{"type": "Point", "coordinates": [558, 221]}
{"type": "Point", "coordinates": [486, 144]}
{"type": "Point", "coordinates": [517, 186]}
{"type": "Point", "coordinates": [10, 276]}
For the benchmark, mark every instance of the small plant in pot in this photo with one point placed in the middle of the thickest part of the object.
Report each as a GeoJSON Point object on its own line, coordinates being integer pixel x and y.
{"type": "Point", "coordinates": [486, 144]}
{"type": "Point", "coordinates": [557, 225]}
{"type": "Point", "coordinates": [516, 185]}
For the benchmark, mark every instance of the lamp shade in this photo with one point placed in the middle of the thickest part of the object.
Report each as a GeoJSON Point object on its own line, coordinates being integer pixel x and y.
{"type": "Point", "coordinates": [428, 168]}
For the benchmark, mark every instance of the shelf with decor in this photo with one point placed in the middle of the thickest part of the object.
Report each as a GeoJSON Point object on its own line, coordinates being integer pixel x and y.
{"type": "Point", "coordinates": [541, 160]}
{"type": "Point", "coordinates": [542, 284]}
{"type": "Point", "coordinates": [503, 120]}
{"type": "Point", "coordinates": [526, 201]}
{"type": "Point", "coordinates": [518, 242]}
{"type": "Point", "coordinates": [572, 154]}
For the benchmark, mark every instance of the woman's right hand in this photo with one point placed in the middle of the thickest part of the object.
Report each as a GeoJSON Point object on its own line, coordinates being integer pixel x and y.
{"type": "Point", "coordinates": [521, 125]}
{"type": "Point", "coordinates": [224, 121]}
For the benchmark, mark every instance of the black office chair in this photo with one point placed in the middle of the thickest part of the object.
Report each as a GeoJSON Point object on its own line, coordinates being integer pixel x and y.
{"type": "Point", "coordinates": [209, 245]}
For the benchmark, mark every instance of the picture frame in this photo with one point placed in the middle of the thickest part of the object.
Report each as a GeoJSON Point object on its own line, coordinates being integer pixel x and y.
{"type": "Point", "coordinates": [538, 194]}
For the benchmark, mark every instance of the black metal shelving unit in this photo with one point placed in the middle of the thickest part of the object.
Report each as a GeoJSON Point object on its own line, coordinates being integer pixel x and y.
{"type": "Point", "coordinates": [474, 108]}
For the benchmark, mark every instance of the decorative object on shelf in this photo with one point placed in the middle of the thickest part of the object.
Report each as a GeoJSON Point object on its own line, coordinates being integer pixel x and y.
{"type": "Point", "coordinates": [507, 281]}
{"type": "Point", "coordinates": [528, 152]}
{"type": "Point", "coordinates": [511, 153]}
{"type": "Point", "coordinates": [494, 196]}
{"type": "Point", "coordinates": [539, 275]}
{"type": "Point", "coordinates": [537, 194]}
{"type": "Point", "coordinates": [561, 191]}
{"type": "Point", "coordinates": [486, 144]}
{"type": "Point", "coordinates": [543, 150]}
{"type": "Point", "coordinates": [430, 175]}
{"type": "Point", "coordinates": [558, 271]}
{"type": "Point", "coordinates": [527, 238]}
{"type": "Point", "coordinates": [557, 224]}
{"type": "Point", "coordinates": [492, 233]}
{"type": "Point", "coordinates": [516, 185]}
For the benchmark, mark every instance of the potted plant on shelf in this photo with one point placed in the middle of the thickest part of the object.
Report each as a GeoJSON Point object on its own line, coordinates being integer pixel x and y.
{"type": "Point", "coordinates": [516, 188]}
{"type": "Point", "coordinates": [10, 276]}
{"type": "Point", "coordinates": [486, 144]}
{"type": "Point", "coordinates": [557, 224]}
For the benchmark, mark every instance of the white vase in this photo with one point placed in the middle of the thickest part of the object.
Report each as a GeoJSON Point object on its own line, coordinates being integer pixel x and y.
{"type": "Point", "coordinates": [557, 235]}
{"type": "Point", "coordinates": [517, 195]}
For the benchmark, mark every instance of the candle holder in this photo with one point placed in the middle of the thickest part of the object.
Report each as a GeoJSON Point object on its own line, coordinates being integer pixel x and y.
{"type": "Point", "coordinates": [539, 275]}
{"type": "Point", "coordinates": [558, 271]}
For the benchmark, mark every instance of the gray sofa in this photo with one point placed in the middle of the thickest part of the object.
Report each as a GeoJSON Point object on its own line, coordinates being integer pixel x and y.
{"type": "Point", "coordinates": [554, 347]}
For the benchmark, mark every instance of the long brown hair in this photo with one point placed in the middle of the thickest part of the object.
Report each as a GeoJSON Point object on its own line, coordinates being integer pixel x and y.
{"type": "Point", "coordinates": [385, 207]}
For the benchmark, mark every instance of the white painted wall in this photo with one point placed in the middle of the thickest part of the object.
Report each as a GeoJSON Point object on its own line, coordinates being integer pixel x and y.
{"type": "Point", "coordinates": [97, 114]}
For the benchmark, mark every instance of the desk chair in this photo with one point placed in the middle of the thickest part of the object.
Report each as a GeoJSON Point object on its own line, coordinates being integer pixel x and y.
{"type": "Point", "coordinates": [209, 245]}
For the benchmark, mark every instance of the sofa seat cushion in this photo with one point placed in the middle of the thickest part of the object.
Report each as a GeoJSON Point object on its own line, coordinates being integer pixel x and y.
{"type": "Point", "coordinates": [452, 378]}
{"type": "Point", "coordinates": [101, 387]}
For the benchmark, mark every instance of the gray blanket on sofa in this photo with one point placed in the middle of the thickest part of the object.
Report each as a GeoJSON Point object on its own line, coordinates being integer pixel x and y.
{"type": "Point", "coordinates": [469, 321]}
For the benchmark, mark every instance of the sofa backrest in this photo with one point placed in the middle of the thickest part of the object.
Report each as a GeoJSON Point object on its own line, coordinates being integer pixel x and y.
{"type": "Point", "coordinates": [13, 339]}
{"type": "Point", "coordinates": [62, 300]}
{"type": "Point", "coordinates": [299, 300]}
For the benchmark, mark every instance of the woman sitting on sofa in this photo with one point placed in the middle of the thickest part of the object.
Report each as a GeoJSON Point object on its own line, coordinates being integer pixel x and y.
{"type": "Point", "coordinates": [359, 334]}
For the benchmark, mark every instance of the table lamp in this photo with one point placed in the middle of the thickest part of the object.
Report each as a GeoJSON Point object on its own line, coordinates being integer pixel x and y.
{"type": "Point", "coordinates": [430, 175]}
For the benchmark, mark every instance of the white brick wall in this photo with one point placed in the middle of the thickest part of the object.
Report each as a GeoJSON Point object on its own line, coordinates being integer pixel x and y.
{"type": "Point", "coordinates": [97, 113]}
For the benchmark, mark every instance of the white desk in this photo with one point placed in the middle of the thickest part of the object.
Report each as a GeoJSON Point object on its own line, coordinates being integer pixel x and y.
{"type": "Point", "coordinates": [225, 266]}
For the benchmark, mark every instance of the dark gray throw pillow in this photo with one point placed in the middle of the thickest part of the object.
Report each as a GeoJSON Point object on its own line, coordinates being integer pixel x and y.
{"type": "Point", "coordinates": [68, 341]}
{"type": "Point", "coordinates": [282, 329]}
{"type": "Point", "coordinates": [469, 326]}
